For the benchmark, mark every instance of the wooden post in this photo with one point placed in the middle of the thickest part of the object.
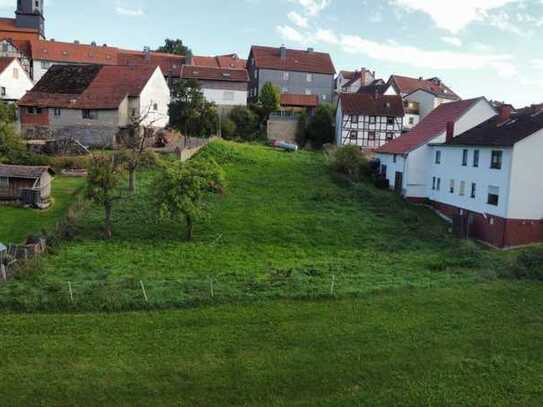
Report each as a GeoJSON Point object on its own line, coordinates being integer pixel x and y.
{"type": "Point", "coordinates": [333, 285]}
{"type": "Point", "coordinates": [143, 290]}
{"type": "Point", "coordinates": [71, 292]}
{"type": "Point", "coordinates": [3, 272]}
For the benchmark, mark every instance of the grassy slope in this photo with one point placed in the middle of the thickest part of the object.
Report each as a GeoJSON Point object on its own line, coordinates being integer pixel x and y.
{"type": "Point", "coordinates": [283, 228]}
{"type": "Point", "coordinates": [476, 346]}
{"type": "Point", "coordinates": [17, 223]}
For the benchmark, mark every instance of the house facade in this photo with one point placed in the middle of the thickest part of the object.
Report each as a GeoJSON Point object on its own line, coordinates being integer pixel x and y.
{"type": "Point", "coordinates": [405, 162]}
{"type": "Point", "coordinates": [14, 80]}
{"type": "Point", "coordinates": [92, 103]}
{"type": "Point", "coordinates": [226, 87]}
{"type": "Point", "coordinates": [487, 180]}
{"type": "Point", "coordinates": [294, 72]}
{"type": "Point", "coordinates": [368, 122]}
{"type": "Point", "coordinates": [421, 96]}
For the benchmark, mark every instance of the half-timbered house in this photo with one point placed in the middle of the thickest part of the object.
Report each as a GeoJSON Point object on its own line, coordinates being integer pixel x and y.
{"type": "Point", "coordinates": [367, 121]}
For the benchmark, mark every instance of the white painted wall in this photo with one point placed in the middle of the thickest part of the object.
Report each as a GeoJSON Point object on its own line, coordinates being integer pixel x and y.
{"type": "Point", "coordinates": [219, 97]}
{"type": "Point", "coordinates": [156, 91]}
{"type": "Point", "coordinates": [394, 163]}
{"type": "Point", "coordinates": [526, 197]}
{"type": "Point", "coordinates": [15, 80]}
{"type": "Point", "coordinates": [451, 168]}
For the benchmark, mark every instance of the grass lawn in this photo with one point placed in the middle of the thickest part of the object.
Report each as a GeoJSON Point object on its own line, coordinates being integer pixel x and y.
{"type": "Point", "coordinates": [471, 346]}
{"type": "Point", "coordinates": [285, 228]}
{"type": "Point", "coordinates": [17, 223]}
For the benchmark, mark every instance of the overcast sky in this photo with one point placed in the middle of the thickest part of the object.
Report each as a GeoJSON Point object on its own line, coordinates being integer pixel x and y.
{"type": "Point", "coordinates": [489, 48]}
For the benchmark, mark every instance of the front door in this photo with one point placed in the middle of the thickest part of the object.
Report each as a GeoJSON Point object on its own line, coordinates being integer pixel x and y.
{"type": "Point", "coordinates": [398, 183]}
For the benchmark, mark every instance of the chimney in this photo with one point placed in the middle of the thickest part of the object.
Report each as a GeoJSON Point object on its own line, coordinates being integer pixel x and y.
{"type": "Point", "coordinates": [450, 131]}
{"type": "Point", "coordinates": [76, 42]}
{"type": "Point", "coordinates": [310, 50]}
{"type": "Point", "coordinates": [504, 112]}
{"type": "Point", "coordinates": [147, 53]}
{"type": "Point", "coordinates": [283, 52]}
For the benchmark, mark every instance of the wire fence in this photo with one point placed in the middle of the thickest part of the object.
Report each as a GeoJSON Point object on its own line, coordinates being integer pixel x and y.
{"type": "Point", "coordinates": [135, 294]}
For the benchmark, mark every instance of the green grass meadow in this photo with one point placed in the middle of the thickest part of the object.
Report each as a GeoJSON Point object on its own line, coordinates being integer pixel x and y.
{"type": "Point", "coordinates": [285, 228]}
{"type": "Point", "coordinates": [16, 224]}
{"type": "Point", "coordinates": [470, 346]}
{"type": "Point", "coordinates": [300, 289]}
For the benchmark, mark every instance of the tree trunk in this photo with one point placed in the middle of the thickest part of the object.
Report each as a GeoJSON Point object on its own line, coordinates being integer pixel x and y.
{"type": "Point", "coordinates": [132, 180]}
{"type": "Point", "coordinates": [107, 221]}
{"type": "Point", "coordinates": [190, 228]}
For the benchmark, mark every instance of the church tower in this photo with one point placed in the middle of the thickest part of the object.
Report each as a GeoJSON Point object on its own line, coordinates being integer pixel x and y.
{"type": "Point", "coordinates": [29, 14]}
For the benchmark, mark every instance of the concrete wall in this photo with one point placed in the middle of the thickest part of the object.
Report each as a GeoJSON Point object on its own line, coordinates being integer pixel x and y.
{"type": "Point", "coordinates": [284, 130]}
{"type": "Point", "coordinates": [225, 97]}
{"type": "Point", "coordinates": [16, 82]}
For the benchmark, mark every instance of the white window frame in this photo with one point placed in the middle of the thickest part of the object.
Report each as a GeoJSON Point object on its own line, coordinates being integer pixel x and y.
{"type": "Point", "coordinates": [309, 77]}
{"type": "Point", "coordinates": [286, 76]}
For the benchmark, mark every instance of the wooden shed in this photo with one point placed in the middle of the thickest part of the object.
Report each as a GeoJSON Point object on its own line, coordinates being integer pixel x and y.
{"type": "Point", "coordinates": [29, 185]}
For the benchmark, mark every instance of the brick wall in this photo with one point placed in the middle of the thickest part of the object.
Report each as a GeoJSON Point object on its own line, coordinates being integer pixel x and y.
{"type": "Point", "coordinates": [497, 231]}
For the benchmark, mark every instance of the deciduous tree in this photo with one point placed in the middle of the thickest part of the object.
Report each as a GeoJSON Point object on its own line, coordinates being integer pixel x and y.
{"type": "Point", "coordinates": [104, 176]}
{"type": "Point", "coordinates": [174, 47]}
{"type": "Point", "coordinates": [270, 99]}
{"type": "Point", "coordinates": [180, 190]}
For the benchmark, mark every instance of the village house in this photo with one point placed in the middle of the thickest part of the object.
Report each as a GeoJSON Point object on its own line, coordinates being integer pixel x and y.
{"type": "Point", "coordinates": [294, 72]}
{"type": "Point", "coordinates": [24, 38]}
{"type": "Point", "coordinates": [91, 103]}
{"type": "Point", "coordinates": [14, 81]}
{"type": "Point", "coordinates": [358, 79]}
{"type": "Point", "coordinates": [226, 87]}
{"type": "Point", "coordinates": [487, 179]}
{"type": "Point", "coordinates": [26, 184]}
{"type": "Point", "coordinates": [405, 162]}
{"type": "Point", "coordinates": [367, 121]}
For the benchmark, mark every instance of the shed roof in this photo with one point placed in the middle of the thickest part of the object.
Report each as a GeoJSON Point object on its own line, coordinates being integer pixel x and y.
{"type": "Point", "coordinates": [24, 171]}
{"type": "Point", "coordinates": [214, 74]}
{"type": "Point", "coordinates": [290, 99]}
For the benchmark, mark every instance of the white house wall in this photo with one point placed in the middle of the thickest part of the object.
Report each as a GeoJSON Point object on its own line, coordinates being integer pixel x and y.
{"type": "Point", "coordinates": [156, 91]}
{"type": "Point", "coordinates": [393, 167]}
{"type": "Point", "coordinates": [451, 168]}
{"type": "Point", "coordinates": [220, 97]}
{"type": "Point", "coordinates": [16, 85]}
{"type": "Point", "coordinates": [526, 198]}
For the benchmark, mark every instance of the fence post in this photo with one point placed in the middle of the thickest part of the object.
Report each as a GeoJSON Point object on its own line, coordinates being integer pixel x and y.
{"type": "Point", "coordinates": [333, 285]}
{"type": "Point", "coordinates": [71, 292]}
{"type": "Point", "coordinates": [3, 272]}
{"type": "Point", "coordinates": [143, 290]}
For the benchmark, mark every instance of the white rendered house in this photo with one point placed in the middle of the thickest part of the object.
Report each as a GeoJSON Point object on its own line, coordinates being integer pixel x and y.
{"type": "Point", "coordinates": [406, 161]}
{"type": "Point", "coordinates": [14, 80]}
{"type": "Point", "coordinates": [488, 180]}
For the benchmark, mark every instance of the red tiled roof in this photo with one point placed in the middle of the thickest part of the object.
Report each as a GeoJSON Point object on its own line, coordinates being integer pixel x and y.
{"type": "Point", "coordinates": [4, 63]}
{"type": "Point", "coordinates": [73, 53]}
{"type": "Point", "coordinates": [214, 74]}
{"type": "Point", "coordinates": [430, 127]}
{"type": "Point", "coordinates": [169, 63]}
{"type": "Point", "coordinates": [93, 87]}
{"type": "Point", "coordinates": [289, 99]}
{"type": "Point", "coordinates": [8, 24]}
{"type": "Point", "coordinates": [406, 85]}
{"type": "Point", "coordinates": [368, 105]}
{"type": "Point", "coordinates": [221, 61]}
{"type": "Point", "coordinates": [296, 60]}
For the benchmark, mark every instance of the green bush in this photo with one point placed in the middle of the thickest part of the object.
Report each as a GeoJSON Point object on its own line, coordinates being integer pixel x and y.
{"type": "Point", "coordinates": [246, 123]}
{"type": "Point", "coordinates": [529, 265]}
{"type": "Point", "coordinates": [228, 128]}
{"type": "Point", "coordinates": [301, 136]}
{"type": "Point", "coordinates": [320, 127]}
{"type": "Point", "coordinates": [350, 161]}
